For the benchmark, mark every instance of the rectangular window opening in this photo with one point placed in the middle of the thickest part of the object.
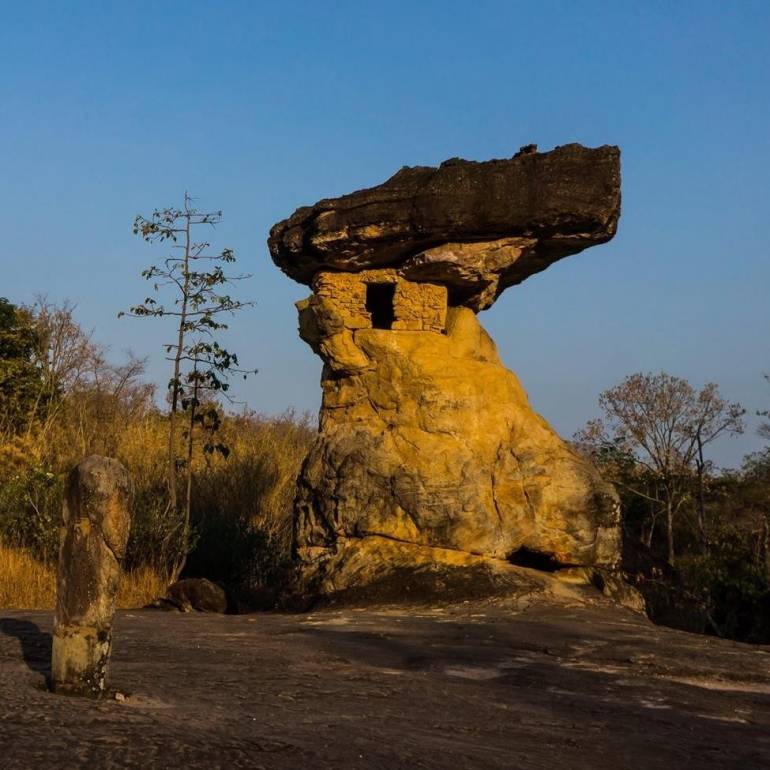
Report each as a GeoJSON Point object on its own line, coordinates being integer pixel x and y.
{"type": "Point", "coordinates": [379, 303]}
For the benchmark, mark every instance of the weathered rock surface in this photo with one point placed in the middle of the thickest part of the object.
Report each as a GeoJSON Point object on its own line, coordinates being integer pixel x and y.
{"type": "Point", "coordinates": [429, 451]}
{"type": "Point", "coordinates": [477, 685]}
{"type": "Point", "coordinates": [476, 228]}
{"type": "Point", "coordinates": [96, 523]}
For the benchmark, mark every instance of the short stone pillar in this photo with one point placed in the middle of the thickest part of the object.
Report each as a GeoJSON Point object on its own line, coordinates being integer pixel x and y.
{"type": "Point", "coordinates": [96, 523]}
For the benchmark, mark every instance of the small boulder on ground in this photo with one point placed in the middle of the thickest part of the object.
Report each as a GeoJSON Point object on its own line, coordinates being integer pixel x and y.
{"type": "Point", "coordinates": [193, 595]}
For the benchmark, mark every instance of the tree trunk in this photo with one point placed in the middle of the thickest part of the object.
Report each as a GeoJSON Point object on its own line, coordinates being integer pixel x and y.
{"type": "Point", "coordinates": [766, 544]}
{"type": "Point", "coordinates": [185, 547]}
{"type": "Point", "coordinates": [653, 521]}
{"type": "Point", "coordinates": [647, 538]}
{"type": "Point", "coordinates": [700, 465]}
{"type": "Point", "coordinates": [670, 530]}
{"type": "Point", "coordinates": [175, 383]}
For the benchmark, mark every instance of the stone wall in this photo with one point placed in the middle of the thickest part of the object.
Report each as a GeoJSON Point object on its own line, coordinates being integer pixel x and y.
{"type": "Point", "coordinates": [417, 306]}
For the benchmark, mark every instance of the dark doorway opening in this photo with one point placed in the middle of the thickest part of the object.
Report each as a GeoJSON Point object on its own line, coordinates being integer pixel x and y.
{"type": "Point", "coordinates": [526, 557]}
{"type": "Point", "coordinates": [379, 302]}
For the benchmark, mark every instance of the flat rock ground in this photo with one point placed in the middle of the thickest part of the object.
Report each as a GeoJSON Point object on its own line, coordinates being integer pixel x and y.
{"type": "Point", "coordinates": [477, 685]}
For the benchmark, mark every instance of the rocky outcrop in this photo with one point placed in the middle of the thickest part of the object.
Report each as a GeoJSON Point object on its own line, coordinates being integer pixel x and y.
{"type": "Point", "coordinates": [570, 682]}
{"type": "Point", "coordinates": [428, 451]}
{"type": "Point", "coordinates": [430, 443]}
{"type": "Point", "coordinates": [96, 523]}
{"type": "Point", "coordinates": [475, 227]}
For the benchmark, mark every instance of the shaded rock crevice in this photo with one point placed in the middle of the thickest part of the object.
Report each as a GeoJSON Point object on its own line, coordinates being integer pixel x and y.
{"type": "Point", "coordinates": [544, 562]}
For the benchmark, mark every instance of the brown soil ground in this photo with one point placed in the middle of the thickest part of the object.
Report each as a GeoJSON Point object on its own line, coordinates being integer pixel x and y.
{"type": "Point", "coordinates": [479, 685]}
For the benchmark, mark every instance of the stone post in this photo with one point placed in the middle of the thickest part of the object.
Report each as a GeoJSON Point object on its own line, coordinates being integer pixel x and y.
{"type": "Point", "coordinates": [96, 523]}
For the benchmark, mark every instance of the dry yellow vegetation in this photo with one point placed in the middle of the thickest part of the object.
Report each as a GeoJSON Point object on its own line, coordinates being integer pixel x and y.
{"type": "Point", "coordinates": [139, 587]}
{"type": "Point", "coordinates": [77, 404]}
{"type": "Point", "coordinates": [25, 583]}
{"type": "Point", "coordinates": [28, 584]}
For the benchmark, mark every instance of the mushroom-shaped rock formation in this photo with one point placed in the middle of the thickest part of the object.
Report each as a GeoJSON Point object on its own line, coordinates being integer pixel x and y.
{"type": "Point", "coordinates": [429, 455]}
{"type": "Point", "coordinates": [476, 228]}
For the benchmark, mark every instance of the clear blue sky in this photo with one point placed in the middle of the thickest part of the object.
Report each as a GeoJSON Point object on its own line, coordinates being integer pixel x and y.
{"type": "Point", "coordinates": [112, 108]}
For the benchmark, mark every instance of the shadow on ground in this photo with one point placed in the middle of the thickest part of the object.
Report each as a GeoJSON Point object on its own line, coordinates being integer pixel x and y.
{"type": "Point", "coordinates": [471, 686]}
{"type": "Point", "coordinates": [35, 644]}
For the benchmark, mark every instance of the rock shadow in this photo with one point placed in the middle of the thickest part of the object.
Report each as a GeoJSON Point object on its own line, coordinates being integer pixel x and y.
{"type": "Point", "coordinates": [557, 686]}
{"type": "Point", "coordinates": [35, 644]}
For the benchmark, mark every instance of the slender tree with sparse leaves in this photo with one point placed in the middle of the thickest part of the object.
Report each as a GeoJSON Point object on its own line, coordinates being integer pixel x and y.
{"type": "Point", "coordinates": [201, 367]}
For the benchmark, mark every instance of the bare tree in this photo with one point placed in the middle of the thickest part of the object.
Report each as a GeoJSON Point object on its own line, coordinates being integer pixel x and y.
{"type": "Point", "coordinates": [107, 399]}
{"type": "Point", "coordinates": [82, 393]}
{"type": "Point", "coordinates": [660, 424]}
{"type": "Point", "coordinates": [66, 354]}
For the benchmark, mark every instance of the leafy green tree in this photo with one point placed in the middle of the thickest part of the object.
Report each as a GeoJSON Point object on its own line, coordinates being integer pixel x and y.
{"type": "Point", "coordinates": [754, 499]}
{"type": "Point", "coordinates": [731, 581]}
{"type": "Point", "coordinates": [20, 373]}
{"type": "Point", "coordinates": [201, 366]}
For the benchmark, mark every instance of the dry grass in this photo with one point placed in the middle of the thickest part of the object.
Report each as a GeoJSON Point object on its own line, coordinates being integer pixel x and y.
{"type": "Point", "coordinates": [140, 587]}
{"type": "Point", "coordinates": [27, 584]}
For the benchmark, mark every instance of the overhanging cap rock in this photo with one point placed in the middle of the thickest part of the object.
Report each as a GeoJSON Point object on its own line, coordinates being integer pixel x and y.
{"type": "Point", "coordinates": [532, 209]}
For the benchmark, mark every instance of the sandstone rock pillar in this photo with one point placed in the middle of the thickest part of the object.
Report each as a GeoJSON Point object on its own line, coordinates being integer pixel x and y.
{"type": "Point", "coordinates": [428, 451]}
{"type": "Point", "coordinates": [96, 523]}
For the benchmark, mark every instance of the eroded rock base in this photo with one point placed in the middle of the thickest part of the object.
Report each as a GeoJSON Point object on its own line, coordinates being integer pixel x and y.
{"type": "Point", "coordinates": [79, 660]}
{"type": "Point", "coordinates": [428, 443]}
{"type": "Point", "coordinates": [374, 570]}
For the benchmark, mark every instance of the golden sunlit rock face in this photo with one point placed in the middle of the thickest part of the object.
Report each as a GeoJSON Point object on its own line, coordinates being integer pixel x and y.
{"type": "Point", "coordinates": [428, 451]}
{"type": "Point", "coordinates": [428, 441]}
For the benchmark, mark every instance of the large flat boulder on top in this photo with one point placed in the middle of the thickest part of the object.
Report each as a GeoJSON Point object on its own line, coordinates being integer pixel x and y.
{"type": "Point", "coordinates": [531, 210]}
